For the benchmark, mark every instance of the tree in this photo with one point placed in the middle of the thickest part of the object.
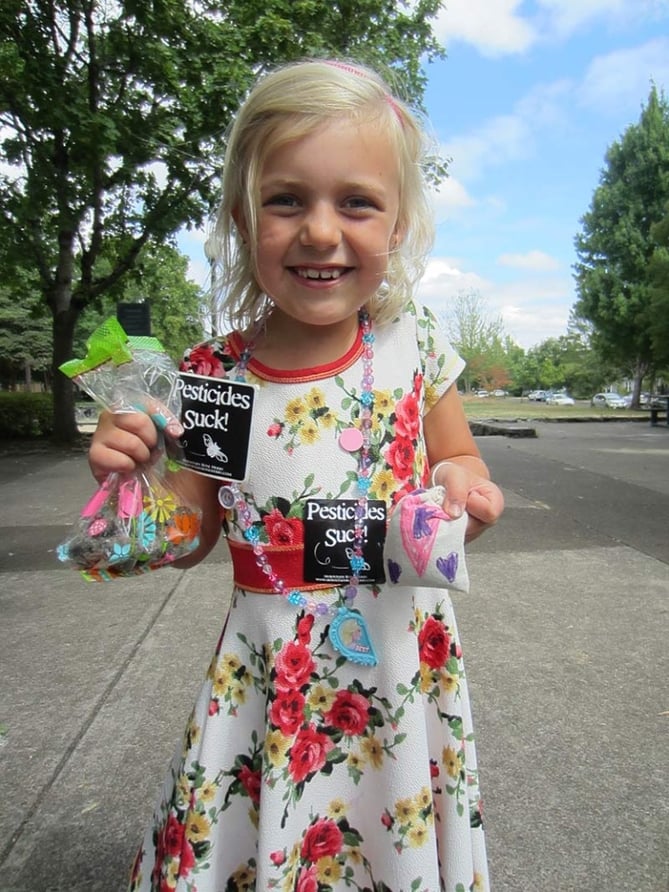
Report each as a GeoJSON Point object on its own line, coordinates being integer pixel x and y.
{"type": "Point", "coordinates": [659, 276]}
{"type": "Point", "coordinates": [478, 339]}
{"type": "Point", "coordinates": [113, 117]}
{"type": "Point", "coordinates": [615, 245]}
{"type": "Point", "coordinates": [586, 370]}
{"type": "Point", "coordinates": [25, 332]}
{"type": "Point", "coordinates": [159, 278]}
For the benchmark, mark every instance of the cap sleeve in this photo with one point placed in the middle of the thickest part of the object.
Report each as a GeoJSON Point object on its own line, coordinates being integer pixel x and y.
{"type": "Point", "coordinates": [440, 363]}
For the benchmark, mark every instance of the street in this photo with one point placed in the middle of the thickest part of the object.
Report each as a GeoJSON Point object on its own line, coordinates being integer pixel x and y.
{"type": "Point", "coordinates": [564, 632]}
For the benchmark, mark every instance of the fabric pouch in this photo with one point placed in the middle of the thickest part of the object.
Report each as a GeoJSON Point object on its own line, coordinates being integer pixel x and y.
{"type": "Point", "coordinates": [424, 547]}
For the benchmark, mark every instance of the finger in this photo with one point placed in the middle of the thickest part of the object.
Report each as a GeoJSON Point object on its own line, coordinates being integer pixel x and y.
{"type": "Point", "coordinates": [454, 481]}
{"type": "Point", "coordinates": [165, 420]}
{"type": "Point", "coordinates": [137, 424]}
{"type": "Point", "coordinates": [474, 528]}
{"type": "Point", "coordinates": [120, 442]}
{"type": "Point", "coordinates": [486, 503]}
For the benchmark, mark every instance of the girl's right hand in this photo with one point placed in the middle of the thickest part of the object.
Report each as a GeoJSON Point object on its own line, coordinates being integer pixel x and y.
{"type": "Point", "coordinates": [123, 440]}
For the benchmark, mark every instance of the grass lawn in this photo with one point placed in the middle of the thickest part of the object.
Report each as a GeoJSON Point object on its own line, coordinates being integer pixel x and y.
{"type": "Point", "coordinates": [490, 408]}
{"type": "Point", "coordinates": [512, 408]}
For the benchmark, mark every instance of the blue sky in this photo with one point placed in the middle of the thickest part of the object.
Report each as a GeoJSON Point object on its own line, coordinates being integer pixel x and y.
{"type": "Point", "coordinates": [525, 105]}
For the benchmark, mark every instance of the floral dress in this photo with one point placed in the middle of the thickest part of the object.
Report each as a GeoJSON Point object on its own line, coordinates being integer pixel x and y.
{"type": "Point", "coordinates": [300, 771]}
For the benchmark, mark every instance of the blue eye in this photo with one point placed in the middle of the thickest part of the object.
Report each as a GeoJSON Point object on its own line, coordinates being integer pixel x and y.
{"type": "Point", "coordinates": [287, 201]}
{"type": "Point", "coordinates": [358, 202]}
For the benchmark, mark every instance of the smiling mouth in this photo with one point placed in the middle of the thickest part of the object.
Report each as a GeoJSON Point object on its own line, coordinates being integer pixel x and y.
{"type": "Point", "coordinates": [308, 272]}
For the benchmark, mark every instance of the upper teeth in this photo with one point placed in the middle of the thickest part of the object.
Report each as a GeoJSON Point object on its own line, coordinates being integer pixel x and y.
{"type": "Point", "coordinates": [319, 273]}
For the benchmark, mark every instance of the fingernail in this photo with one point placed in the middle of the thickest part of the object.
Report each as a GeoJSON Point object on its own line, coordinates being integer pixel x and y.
{"type": "Point", "coordinates": [455, 509]}
{"type": "Point", "coordinates": [170, 425]}
{"type": "Point", "coordinates": [174, 427]}
{"type": "Point", "coordinates": [159, 420]}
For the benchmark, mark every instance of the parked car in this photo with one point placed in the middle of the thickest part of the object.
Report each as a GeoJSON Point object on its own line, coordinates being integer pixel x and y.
{"type": "Point", "coordinates": [559, 399]}
{"type": "Point", "coordinates": [482, 393]}
{"type": "Point", "coordinates": [608, 401]}
{"type": "Point", "coordinates": [538, 395]}
{"type": "Point", "coordinates": [499, 392]}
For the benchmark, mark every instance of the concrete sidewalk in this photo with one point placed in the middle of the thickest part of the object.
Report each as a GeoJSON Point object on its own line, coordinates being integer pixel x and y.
{"type": "Point", "coordinates": [567, 663]}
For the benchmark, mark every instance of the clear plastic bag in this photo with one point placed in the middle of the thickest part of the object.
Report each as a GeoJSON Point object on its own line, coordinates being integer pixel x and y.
{"type": "Point", "coordinates": [125, 374]}
{"type": "Point", "coordinates": [134, 522]}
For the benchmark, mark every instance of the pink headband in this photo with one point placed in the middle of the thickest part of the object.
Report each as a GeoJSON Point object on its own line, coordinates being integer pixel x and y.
{"type": "Point", "coordinates": [358, 72]}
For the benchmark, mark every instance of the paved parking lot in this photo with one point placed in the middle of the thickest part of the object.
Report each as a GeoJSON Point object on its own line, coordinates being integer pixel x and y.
{"type": "Point", "coordinates": [565, 637]}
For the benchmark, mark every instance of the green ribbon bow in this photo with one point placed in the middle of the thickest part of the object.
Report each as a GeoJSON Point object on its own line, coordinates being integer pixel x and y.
{"type": "Point", "coordinates": [109, 342]}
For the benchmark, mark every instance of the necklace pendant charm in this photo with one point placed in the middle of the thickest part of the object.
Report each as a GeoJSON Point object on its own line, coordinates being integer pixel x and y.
{"type": "Point", "coordinates": [350, 637]}
{"type": "Point", "coordinates": [351, 439]}
{"type": "Point", "coordinates": [226, 497]}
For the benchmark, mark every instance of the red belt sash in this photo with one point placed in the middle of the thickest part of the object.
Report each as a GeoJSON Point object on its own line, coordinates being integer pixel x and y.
{"type": "Point", "coordinates": [287, 561]}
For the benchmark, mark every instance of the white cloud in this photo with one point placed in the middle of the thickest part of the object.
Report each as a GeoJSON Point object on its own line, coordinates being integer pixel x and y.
{"type": "Point", "coordinates": [494, 27]}
{"type": "Point", "coordinates": [451, 197]}
{"type": "Point", "coordinates": [537, 261]}
{"type": "Point", "coordinates": [512, 136]}
{"type": "Point", "coordinates": [445, 272]}
{"type": "Point", "coordinates": [498, 28]}
{"type": "Point", "coordinates": [623, 78]}
{"type": "Point", "coordinates": [532, 308]}
{"type": "Point", "coordinates": [498, 140]}
{"type": "Point", "coordinates": [564, 17]}
{"type": "Point", "coordinates": [191, 243]}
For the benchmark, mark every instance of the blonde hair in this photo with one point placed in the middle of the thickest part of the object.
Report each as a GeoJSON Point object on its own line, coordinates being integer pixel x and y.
{"type": "Point", "coordinates": [284, 106]}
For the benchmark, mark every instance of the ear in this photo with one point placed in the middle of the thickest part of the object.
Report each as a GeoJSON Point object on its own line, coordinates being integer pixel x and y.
{"type": "Point", "coordinates": [240, 222]}
{"type": "Point", "coordinates": [397, 237]}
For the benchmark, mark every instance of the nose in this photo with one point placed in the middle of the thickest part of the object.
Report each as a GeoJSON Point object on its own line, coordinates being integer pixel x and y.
{"type": "Point", "coordinates": [320, 227]}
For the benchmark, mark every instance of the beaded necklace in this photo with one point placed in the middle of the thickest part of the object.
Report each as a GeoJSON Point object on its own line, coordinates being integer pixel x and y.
{"type": "Point", "coordinates": [348, 631]}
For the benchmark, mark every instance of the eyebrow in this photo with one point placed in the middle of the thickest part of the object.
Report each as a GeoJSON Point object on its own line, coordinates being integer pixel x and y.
{"type": "Point", "coordinates": [293, 184]}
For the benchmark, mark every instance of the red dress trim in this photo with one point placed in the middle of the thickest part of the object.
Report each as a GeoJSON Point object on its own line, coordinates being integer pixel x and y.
{"type": "Point", "coordinates": [297, 376]}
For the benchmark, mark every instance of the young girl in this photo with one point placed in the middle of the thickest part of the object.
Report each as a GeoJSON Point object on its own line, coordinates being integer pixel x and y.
{"type": "Point", "coordinates": [301, 768]}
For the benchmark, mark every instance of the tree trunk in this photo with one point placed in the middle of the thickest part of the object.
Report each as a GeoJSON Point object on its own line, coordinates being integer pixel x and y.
{"type": "Point", "coordinates": [640, 370]}
{"type": "Point", "coordinates": [65, 428]}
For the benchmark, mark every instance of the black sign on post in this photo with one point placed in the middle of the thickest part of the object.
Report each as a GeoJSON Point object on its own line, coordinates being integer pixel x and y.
{"type": "Point", "coordinates": [135, 318]}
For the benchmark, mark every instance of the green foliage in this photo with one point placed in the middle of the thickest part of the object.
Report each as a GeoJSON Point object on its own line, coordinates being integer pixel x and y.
{"type": "Point", "coordinates": [616, 245]}
{"type": "Point", "coordinates": [25, 329]}
{"type": "Point", "coordinates": [176, 304]}
{"type": "Point", "coordinates": [113, 117]}
{"type": "Point", "coordinates": [25, 415]}
{"type": "Point", "coordinates": [659, 277]}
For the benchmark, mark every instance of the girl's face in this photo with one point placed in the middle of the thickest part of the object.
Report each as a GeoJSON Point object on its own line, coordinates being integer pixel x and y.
{"type": "Point", "coordinates": [329, 205]}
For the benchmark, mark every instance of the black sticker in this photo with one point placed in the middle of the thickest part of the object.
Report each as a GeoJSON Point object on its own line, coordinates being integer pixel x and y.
{"type": "Point", "coordinates": [217, 416]}
{"type": "Point", "coordinates": [329, 538]}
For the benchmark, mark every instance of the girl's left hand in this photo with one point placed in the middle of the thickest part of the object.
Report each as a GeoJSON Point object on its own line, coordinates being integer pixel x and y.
{"type": "Point", "coordinates": [466, 491]}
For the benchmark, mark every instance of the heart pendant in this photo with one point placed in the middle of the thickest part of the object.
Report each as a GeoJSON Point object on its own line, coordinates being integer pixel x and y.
{"type": "Point", "coordinates": [349, 637]}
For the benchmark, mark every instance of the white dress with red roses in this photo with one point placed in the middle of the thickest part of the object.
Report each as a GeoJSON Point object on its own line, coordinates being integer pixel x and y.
{"type": "Point", "coordinates": [300, 771]}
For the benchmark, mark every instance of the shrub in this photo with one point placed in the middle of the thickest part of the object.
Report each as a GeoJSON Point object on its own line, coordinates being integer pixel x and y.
{"type": "Point", "coordinates": [26, 415]}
